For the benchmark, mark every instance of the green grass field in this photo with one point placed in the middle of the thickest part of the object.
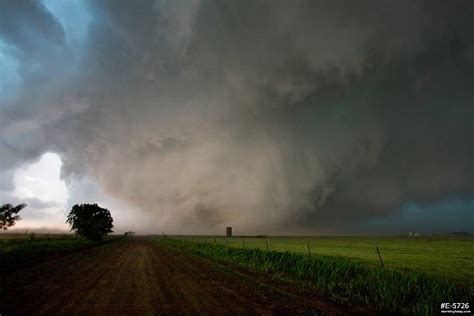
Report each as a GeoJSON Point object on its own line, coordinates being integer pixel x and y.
{"type": "Point", "coordinates": [347, 272]}
{"type": "Point", "coordinates": [447, 257]}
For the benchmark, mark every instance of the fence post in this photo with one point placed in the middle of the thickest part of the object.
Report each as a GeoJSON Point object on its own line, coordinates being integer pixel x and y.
{"type": "Point", "coordinates": [267, 244]}
{"type": "Point", "coordinates": [309, 251]}
{"type": "Point", "coordinates": [243, 244]}
{"type": "Point", "coordinates": [380, 257]}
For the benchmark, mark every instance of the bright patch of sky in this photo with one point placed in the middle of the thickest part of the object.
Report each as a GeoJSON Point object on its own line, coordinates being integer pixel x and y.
{"type": "Point", "coordinates": [41, 180]}
{"type": "Point", "coordinates": [49, 199]}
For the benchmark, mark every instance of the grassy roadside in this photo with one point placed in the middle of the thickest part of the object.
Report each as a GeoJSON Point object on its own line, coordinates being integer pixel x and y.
{"type": "Point", "coordinates": [448, 257]}
{"type": "Point", "coordinates": [16, 253]}
{"type": "Point", "coordinates": [343, 281]}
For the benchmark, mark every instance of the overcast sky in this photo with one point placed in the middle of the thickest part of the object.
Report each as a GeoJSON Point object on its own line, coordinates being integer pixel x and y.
{"type": "Point", "coordinates": [280, 117]}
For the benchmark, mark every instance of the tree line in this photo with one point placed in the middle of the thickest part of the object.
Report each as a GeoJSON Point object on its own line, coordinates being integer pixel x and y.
{"type": "Point", "coordinates": [87, 220]}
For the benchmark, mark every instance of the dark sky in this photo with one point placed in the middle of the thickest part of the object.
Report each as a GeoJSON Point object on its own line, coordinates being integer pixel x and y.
{"type": "Point", "coordinates": [275, 116]}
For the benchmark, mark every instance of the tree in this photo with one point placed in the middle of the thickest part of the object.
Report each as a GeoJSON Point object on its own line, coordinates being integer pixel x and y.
{"type": "Point", "coordinates": [9, 215]}
{"type": "Point", "coordinates": [90, 221]}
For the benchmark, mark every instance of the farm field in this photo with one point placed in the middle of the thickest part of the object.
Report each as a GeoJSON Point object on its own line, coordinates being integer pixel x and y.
{"type": "Point", "coordinates": [204, 274]}
{"type": "Point", "coordinates": [18, 250]}
{"type": "Point", "coordinates": [11, 239]}
{"type": "Point", "coordinates": [141, 277]}
{"type": "Point", "coordinates": [344, 280]}
{"type": "Point", "coordinates": [444, 256]}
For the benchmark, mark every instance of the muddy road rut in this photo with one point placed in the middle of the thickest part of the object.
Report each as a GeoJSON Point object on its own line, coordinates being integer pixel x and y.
{"type": "Point", "coordinates": [140, 276]}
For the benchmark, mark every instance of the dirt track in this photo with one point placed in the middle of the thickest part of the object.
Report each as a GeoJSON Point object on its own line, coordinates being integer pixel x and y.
{"type": "Point", "coordinates": [139, 276]}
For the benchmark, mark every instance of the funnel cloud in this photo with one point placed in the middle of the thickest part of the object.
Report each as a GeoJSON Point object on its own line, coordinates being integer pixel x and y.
{"type": "Point", "coordinates": [269, 116]}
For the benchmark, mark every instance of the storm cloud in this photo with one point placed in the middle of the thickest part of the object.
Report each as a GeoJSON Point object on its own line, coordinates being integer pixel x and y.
{"type": "Point", "coordinates": [283, 116]}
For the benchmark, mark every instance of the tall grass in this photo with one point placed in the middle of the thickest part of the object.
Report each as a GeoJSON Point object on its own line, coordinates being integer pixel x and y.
{"type": "Point", "coordinates": [342, 280]}
{"type": "Point", "coordinates": [449, 257]}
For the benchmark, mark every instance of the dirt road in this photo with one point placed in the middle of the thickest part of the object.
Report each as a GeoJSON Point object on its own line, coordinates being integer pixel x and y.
{"type": "Point", "coordinates": [139, 276]}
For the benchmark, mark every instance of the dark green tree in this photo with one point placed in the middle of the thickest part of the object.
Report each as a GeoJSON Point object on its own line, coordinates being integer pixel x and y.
{"type": "Point", "coordinates": [90, 221]}
{"type": "Point", "coordinates": [9, 215]}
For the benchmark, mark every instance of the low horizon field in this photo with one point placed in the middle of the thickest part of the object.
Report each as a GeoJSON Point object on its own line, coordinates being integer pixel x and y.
{"type": "Point", "coordinates": [345, 272]}
{"type": "Point", "coordinates": [448, 257]}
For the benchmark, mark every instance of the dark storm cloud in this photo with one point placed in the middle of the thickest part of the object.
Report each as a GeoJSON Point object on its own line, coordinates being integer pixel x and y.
{"type": "Point", "coordinates": [276, 115]}
{"type": "Point", "coordinates": [26, 24]}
